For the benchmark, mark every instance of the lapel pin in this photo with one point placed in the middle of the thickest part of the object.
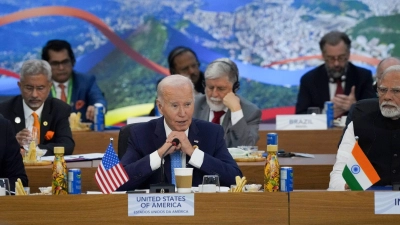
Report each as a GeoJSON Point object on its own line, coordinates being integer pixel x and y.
{"type": "Point", "coordinates": [196, 141]}
{"type": "Point", "coordinates": [17, 120]}
{"type": "Point", "coordinates": [45, 123]}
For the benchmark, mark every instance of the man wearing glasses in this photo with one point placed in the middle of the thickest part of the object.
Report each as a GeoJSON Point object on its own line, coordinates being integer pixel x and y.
{"type": "Point", "coordinates": [76, 89]}
{"type": "Point", "coordinates": [337, 80]}
{"type": "Point", "coordinates": [36, 116]}
{"type": "Point", "coordinates": [184, 61]}
{"type": "Point", "coordinates": [376, 123]}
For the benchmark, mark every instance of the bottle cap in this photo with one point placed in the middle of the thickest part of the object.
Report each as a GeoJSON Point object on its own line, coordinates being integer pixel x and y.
{"type": "Point", "coordinates": [272, 148]}
{"type": "Point", "coordinates": [58, 150]}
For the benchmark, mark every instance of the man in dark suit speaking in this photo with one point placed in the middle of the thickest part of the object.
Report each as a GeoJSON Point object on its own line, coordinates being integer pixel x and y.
{"type": "Point", "coordinates": [337, 80]}
{"type": "Point", "coordinates": [34, 108]}
{"type": "Point", "coordinates": [201, 147]}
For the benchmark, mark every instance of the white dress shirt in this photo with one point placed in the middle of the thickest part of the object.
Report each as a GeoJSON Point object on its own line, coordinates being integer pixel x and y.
{"type": "Point", "coordinates": [346, 146]}
{"type": "Point", "coordinates": [196, 160]}
{"type": "Point", "coordinates": [28, 115]}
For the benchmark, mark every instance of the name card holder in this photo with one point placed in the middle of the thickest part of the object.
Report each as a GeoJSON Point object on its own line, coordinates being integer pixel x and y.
{"type": "Point", "coordinates": [301, 122]}
{"type": "Point", "coordinates": [161, 204]}
{"type": "Point", "coordinates": [387, 202]}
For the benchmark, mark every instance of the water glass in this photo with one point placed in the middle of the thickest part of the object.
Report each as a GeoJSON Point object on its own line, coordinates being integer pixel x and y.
{"type": "Point", "coordinates": [210, 183]}
{"type": "Point", "coordinates": [313, 110]}
{"type": "Point", "coordinates": [4, 187]}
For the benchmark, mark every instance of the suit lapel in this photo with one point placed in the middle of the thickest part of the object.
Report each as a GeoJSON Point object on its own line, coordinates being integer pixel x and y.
{"type": "Point", "coordinates": [322, 84]}
{"type": "Point", "coordinates": [226, 123]}
{"type": "Point", "coordinates": [193, 135]}
{"type": "Point", "coordinates": [204, 111]}
{"type": "Point", "coordinates": [46, 119]}
{"type": "Point", "coordinates": [75, 91]}
{"type": "Point", "coordinates": [159, 140]}
{"type": "Point", "coordinates": [350, 78]}
{"type": "Point", "coordinates": [19, 112]}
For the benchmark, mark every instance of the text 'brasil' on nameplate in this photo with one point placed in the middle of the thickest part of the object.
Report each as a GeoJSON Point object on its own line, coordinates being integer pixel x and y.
{"type": "Point", "coordinates": [161, 204]}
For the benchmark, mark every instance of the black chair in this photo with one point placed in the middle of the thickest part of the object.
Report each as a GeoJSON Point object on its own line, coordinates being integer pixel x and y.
{"type": "Point", "coordinates": [123, 138]}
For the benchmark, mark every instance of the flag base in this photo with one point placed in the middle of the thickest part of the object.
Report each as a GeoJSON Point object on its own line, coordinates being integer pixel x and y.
{"type": "Point", "coordinates": [162, 188]}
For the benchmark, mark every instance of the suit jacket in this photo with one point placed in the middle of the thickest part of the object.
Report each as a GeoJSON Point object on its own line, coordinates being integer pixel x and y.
{"type": "Point", "coordinates": [55, 113]}
{"type": "Point", "coordinates": [85, 92]}
{"type": "Point", "coordinates": [314, 87]}
{"type": "Point", "coordinates": [145, 138]}
{"type": "Point", "coordinates": [244, 132]}
{"type": "Point", "coordinates": [11, 165]}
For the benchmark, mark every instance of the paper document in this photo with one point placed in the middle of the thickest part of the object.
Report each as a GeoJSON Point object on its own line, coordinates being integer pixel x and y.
{"type": "Point", "coordinates": [305, 155]}
{"type": "Point", "coordinates": [80, 157]}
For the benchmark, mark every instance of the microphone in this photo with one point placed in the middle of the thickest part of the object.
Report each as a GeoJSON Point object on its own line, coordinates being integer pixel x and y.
{"type": "Point", "coordinates": [163, 187]}
{"type": "Point", "coordinates": [175, 142]}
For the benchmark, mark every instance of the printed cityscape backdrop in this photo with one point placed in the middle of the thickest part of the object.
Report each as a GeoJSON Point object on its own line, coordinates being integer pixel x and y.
{"type": "Point", "coordinates": [125, 43]}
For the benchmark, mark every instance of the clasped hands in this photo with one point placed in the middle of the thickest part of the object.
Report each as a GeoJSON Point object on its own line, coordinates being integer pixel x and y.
{"type": "Point", "coordinates": [342, 102]}
{"type": "Point", "coordinates": [184, 144]}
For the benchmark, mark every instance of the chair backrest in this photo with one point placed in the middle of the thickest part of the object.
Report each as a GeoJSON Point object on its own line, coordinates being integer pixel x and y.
{"type": "Point", "coordinates": [123, 138]}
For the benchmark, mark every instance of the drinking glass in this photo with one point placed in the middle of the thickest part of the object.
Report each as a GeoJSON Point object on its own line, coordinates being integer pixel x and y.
{"type": "Point", "coordinates": [313, 110]}
{"type": "Point", "coordinates": [210, 183]}
{"type": "Point", "coordinates": [4, 187]}
{"type": "Point", "coordinates": [26, 142]}
{"type": "Point", "coordinates": [40, 152]}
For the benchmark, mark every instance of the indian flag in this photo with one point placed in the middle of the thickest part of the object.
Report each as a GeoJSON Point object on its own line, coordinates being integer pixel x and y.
{"type": "Point", "coordinates": [359, 173]}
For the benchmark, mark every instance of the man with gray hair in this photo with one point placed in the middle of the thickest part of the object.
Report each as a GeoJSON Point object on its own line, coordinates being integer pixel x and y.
{"type": "Point", "coordinates": [376, 123]}
{"type": "Point", "coordinates": [201, 145]}
{"type": "Point", "coordinates": [221, 105]}
{"type": "Point", "coordinates": [34, 115]}
{"type": "Point", "coordinates": [382, 66]}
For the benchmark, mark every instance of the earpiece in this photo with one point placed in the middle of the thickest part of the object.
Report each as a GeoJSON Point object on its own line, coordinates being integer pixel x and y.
{"type": "Point", "coordinates": [174, 53]}
{"type": "Point", "coordinates": [236, 85]}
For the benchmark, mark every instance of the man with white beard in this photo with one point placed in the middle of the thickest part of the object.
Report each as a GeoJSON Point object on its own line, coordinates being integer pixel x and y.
{"type": "Point", "coordinates": [376, 123]}
{"type": "Point", "coordinates": [239, 117]}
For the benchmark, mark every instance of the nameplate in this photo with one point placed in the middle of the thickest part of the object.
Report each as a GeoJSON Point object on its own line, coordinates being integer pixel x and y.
{"type": "Point", "coordinates": [301, 122]}
{"type": "Point", "coordinates": [387, 202]}
{"type": "Point", "coordinates": [161, 204]}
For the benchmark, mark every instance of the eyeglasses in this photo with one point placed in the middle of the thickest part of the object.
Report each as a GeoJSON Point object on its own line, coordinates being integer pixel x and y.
{"type": "Point", "coordinates": [383, 91]}
{"type": "Point", "coordinates": [186, 69]}
{"type": "Point", "coordinates": [56, 64]}
{"type": "Point", "coordinates": [30, 89]}
{"type": "Point", "coordinates": [332, 59]}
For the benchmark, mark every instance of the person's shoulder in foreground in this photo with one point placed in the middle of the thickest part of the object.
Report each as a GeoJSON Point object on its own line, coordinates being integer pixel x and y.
{"type": "Point", "coordinates": [11, 165]}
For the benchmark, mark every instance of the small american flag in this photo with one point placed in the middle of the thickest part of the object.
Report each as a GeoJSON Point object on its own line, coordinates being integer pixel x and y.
{"type": "Point", "coordinates": [110, 174]}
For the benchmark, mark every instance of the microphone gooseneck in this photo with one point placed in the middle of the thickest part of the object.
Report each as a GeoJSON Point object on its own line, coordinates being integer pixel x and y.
{"type": "Point", "coordinates": [175, 142]}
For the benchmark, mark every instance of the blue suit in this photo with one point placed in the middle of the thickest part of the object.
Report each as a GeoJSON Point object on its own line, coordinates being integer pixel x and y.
{"type": "Point", "coordinates": [146, 138]}
{"type": "Point", "coordinates": [85, 90]}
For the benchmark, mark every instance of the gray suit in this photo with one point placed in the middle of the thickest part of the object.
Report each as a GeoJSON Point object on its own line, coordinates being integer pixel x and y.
{"type": "Point", "coordinates": [244, 132]}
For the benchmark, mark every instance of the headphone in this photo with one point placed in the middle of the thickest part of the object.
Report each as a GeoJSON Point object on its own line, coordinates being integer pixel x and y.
{"type": "Point", "coordinates": [174, 53]}
{"type": "Point", "coordinates": [334, 80]}
{"type": "Point", "coordinates": [233, 69]}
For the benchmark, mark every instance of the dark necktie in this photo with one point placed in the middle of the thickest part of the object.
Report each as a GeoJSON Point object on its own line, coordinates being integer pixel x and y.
{"type": "Point", "coordinates": [217, 116]}
{"type": "Point", "coordinates": [339, 88]}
